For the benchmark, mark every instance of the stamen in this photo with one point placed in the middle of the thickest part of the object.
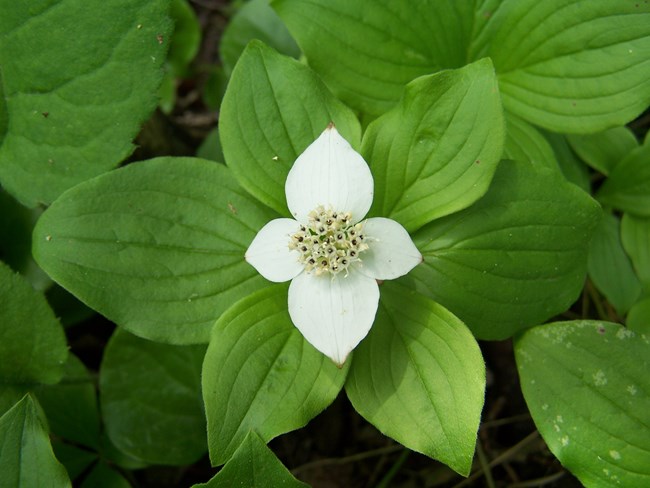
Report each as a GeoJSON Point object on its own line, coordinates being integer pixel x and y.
{"type": "Point", "coordinates": [328, 243]}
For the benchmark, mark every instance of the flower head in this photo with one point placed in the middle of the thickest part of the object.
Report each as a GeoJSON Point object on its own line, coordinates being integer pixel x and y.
{"type": "Point", "coordinates": [333, 257]}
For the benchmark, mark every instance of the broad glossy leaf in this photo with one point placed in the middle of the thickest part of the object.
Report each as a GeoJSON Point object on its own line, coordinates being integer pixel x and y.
{"type": "Point", "coordinates": [254, 20]}
{"type": "Point", "coordinates": [260, 374]}
{"type": "Point", "coordinates": [150, 395]}
{"type": "Point", "coordinates": [638, 319]}
{"type": "Point", "coordinates": [513, 259]}
{"type": "Point", "coordinates": [567, 65]}
{"type": "Point", "coordinates": [635, 233]}
{"type": "Point", "coordinates": [610, 268]}
{"type": "Point", "coordinates": [26, 457]}
{"type": "Point", "coordinates": [571, 65]}
{"type": "Point", "coordinates": [253, 465]}
{"type": "Point", "coordinates": [604, 150]}
{"type": "Point", "coordinates": [79, 77]}
{"type": "Point", "coordinates": [435, 153]}
{"type": "Point", "coordinates": [71, 405]}
{"type": "Point", "coordinates": [157, 247]}
{"type": "Point", "coordinates": [587, 387]}
{"type": "Point", "coordinates": [419, 377]}
{"type": "Point", "coordinates": [524, 143]}
{"type": "Point", "coordinates": [367, 50]}
{"type": "Point", "coordinates": [571, 166]}
{"type": "Point", "coordinates": [628, 186]}
{"type": "Point", "coordinates": [273, 109]}
{"type": "Point", "coordinates": [33, 347]}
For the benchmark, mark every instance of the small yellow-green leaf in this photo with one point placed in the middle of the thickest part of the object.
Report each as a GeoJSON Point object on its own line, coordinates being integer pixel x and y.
{"type": "Point", "coordinates": [260, 374]}
{"type": "Point", "coordinates": [419, 377]}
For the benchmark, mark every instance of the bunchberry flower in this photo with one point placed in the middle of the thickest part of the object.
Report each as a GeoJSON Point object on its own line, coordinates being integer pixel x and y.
{"type": "Point", "coordinates": [333, 257]}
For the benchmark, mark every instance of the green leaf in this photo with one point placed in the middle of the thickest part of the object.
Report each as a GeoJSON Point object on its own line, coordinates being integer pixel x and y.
{"type": "Point", "coordinates": [75, 459]}
{"type": "Point", "coordinates": [253, 465]}
{"type": "Point", "coordinates": [567, 65]}
{"type": "Point", "coordinates": [186, 39]}
{"type": "Point", "coordinates": [515, 258]}
{"type": "Point", "coordinates": [260, 374]}
{"type": "Point", "coordinates": [572, 168]}
{"type": "Point", "coordinates": [435, 153]}
{"type": "Point", "coordinates": [150, 397]}
{"type": "Point", "coordinates": [610, 268]}
{"type": "Point", "coordinates": [214, 90]}
{"type": "Point", "coordinates": [210, 148]}
{"type": "Point", "coordinates": [587, 387]}
{"type": "Point", "coordinates": [628, 186]}
{"type": "Point", "coordinates": [604, 150]}
{"type": "Point", "coordinates": [71, 405]}
{"type": "Point", "coordinates": [66, 306]}
{"type": "Point", "coordinates": [420, 362]}
{"type": "Point", "coordinates": [32, 343]}
{"type": "Point", "coordinates": [79, 78]}
{"type": "Point", "coordinates": [10, 395]}
{"type": "Point", "coordinates": [638, 319]}
{"type": "Point", "coordinates": [525, 143]}
{"type": "Point", "coordinates": [157, 247]}
{"type": "Point", "coordinates": [16, 224]}
{"type": "Point", "coordinates": [367, 50]}
{"type": "Point", "coordinates": [273, 109]}
{"type": "Point", "coordinates": [167, 93]}
{"type": "Point", "coordinates": [115, 456]}
{"type": "Point", "coordinates": [254, 20]}
{"type": "Point", "coordinates": [102, 476]}
{"type": "Point", "coordinates": [571, 66]}
{"type": "Point", "coordinates": [635, 233]}
{"type": "Point", "coordinates": [26, 457]}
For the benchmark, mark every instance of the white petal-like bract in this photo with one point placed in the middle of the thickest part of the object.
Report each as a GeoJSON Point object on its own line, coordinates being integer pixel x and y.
{"type": "Point", "coordinates": [391, 252]}
{"type": "Point", "coordinates": [269, 252]}
{"type": "Point", "coordinates": [332, 174]}
{"type": "Point", "coordinates": [333, 314]}
{"type": "Point", "coordinates": [333, 258]}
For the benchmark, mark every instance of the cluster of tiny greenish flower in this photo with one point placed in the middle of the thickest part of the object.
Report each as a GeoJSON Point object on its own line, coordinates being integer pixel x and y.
{"type": "Point", "coordinates": [329, 243]}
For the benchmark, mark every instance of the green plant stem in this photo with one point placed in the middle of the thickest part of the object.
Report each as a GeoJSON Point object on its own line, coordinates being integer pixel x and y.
{"type": "Point", "coordinates": [546, 480]}
{"type": "Point", "coordinates": [501, 458]}
{"type": "Point", "coordinates": [385, 481]}
{"type": "Point", "coordinates": [485, 465]}
{"type": "Point", "coordinates": [348, 459]}
{"type": "Point", "coordinates": [595, 298]}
